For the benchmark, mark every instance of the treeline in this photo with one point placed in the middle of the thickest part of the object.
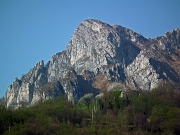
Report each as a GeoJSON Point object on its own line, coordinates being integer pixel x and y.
{"type": "Point", "coordinates": [133, 112]}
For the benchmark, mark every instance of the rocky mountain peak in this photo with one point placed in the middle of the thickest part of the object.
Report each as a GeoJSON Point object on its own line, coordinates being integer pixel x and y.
{"type": "Point", "coordinates": [170, 40]}
{"type": "Point", "coordinates": [97, 57]}
{"type": "Point", "coordinates": [95, 44]}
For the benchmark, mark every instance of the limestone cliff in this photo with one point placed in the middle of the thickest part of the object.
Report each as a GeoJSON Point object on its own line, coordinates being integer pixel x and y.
{"type": "Point", "coordinates": [97, 55]}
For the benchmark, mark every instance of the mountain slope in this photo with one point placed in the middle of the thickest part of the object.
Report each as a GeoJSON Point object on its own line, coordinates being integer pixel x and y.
{"type": "Point", "coordinates": [97, 55]}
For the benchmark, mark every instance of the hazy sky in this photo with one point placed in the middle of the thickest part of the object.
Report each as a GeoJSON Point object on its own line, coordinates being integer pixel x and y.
{"type": "Point", "coordinates": [34, 30]}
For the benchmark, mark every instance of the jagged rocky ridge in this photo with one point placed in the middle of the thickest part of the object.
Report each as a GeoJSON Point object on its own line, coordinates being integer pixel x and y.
{"type": "Point", "coordinates": [97, 55]}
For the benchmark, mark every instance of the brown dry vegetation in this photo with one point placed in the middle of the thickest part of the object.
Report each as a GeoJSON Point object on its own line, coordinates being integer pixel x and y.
{"type": "Point", "coordinates": [101, 83]}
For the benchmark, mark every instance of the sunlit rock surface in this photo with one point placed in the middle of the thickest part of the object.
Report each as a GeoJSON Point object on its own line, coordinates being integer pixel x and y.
{"type": "Point", "coordinates": [97, 56]}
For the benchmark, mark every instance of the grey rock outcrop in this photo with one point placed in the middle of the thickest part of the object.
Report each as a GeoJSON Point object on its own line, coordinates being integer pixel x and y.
{"type": "Point", "coordinates": [95, 44]}
{"type": "Point", "coordinates": [141, 74]}
{"type": "Point", "coordinates": [57, 65]}
{"type": "Point", "coordinates": [98, 55]}
{"type": "Point", "coordinates": [47, 91]}
{"type": "Point", "coordinates": [20, 92]}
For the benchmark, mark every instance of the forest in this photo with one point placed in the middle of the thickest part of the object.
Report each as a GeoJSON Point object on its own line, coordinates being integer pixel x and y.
{"type": "Point", "coordinates": [131, 113]}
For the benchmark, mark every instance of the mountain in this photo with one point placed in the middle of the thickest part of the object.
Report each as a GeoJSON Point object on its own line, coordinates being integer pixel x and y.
{"type": "Point", "coordinates": [97, 56]}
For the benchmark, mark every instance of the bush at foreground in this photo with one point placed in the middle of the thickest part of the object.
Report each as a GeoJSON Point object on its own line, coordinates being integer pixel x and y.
{"type": "Point", "coordinates": [145, 112]}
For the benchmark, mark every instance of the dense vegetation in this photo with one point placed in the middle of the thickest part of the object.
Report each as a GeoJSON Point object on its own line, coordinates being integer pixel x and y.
{"type": "Point", "coordinates": [145, 112]}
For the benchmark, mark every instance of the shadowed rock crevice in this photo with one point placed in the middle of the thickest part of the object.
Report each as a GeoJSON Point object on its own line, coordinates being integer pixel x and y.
{"type": "Point", "coordinates": [86, 87]}
{"type": "Point", "coordinates": [164, 70]}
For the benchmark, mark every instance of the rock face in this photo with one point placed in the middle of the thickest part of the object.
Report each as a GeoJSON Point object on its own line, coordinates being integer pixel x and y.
{"type": "Point", "coordinates": [97, 55]}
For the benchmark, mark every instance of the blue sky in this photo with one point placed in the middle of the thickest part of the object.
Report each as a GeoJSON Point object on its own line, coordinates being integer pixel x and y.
{"type": "Point", "coordinates": [34, 30]}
